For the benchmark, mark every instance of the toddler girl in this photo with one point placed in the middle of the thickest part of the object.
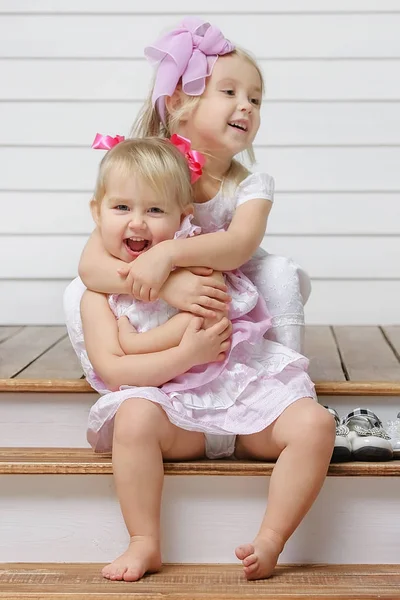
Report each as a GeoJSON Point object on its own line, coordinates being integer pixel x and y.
{"type": "Point", "coordinates": [183, 391]}
{"type": "Point", "coordinates": [210, 92]}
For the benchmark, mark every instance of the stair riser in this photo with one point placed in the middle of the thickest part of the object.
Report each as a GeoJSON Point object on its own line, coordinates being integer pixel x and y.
{"type": "Point", "coordinates": [77, 519]}
{"type": "Point", "coordinates": [59, 420]}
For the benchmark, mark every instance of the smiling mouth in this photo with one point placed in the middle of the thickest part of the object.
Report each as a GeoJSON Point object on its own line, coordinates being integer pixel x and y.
{"type": "Point", "coordinates": [136, 245]}
{"type": "Point", "coordinates": [240, 126]}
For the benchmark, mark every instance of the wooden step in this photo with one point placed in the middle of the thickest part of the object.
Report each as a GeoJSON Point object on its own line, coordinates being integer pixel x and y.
{"type": "Point", "coordinates": [338, 355]}
{"type": "Point", "coordinates": [76, 461]}
{"type": "Point", "coordinates": [80, 386]}
{"type": "Point", "coordinates": [200, 582]}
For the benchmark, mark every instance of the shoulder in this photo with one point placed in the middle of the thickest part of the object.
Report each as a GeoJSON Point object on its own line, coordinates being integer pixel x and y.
{"type": "Point", "coordinates": [256, 185]}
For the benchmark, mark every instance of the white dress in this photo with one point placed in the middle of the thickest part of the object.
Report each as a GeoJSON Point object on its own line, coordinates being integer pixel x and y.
{"type": "Point", "coordinates": [284, 286]}
{"type": "Point", "coordinates": [242, 395]}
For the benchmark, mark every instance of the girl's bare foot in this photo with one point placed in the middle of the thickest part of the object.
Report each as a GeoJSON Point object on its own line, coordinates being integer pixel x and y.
{"type": "Point", "coordinates": [142, 556]}
{"type": "Point", "coordinates": [259, 558]}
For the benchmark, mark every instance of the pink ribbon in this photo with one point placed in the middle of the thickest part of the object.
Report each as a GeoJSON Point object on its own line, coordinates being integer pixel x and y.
{"type": "Point", "coordinates": [195, 159]}
{"type": "Point", "coordinates": [189, 51]}
{"type": "Point", "coordinates": [106, 142]}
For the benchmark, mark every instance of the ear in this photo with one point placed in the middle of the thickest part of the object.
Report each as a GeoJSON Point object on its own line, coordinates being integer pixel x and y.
{"type": "Point", "coordinates": [174, 102]}
{"type": "Point", "coordinates": [95, 210]}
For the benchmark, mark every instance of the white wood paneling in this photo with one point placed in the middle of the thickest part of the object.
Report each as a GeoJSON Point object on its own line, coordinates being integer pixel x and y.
{"type": "Point", "coordinates": [210, 6]}
{"type": "Point", "coordinates": [330, 136]}
{"type": "Point", "coordinates": [36, 302]}
{"type": "Point", "coordinates": [268, 36]}
{"type": "Point", "coordinates": [129, 79]}
{"type": "Point", "coordinates": [342, 257]}
{"type": "Point", "coordinates": [320, 213]}
{"type": "Point", "coordinates": [284, 123]}
{"type": "Point", "coordinates": [77, 519]}
{"type": "Point", "coordinates": [295, 169]}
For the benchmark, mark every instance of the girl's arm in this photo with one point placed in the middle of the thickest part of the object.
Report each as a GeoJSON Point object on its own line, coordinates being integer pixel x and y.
{"type": "Point", "coordinates": [99, 270]}
{"type": "Point", "coordinates": [165, 336]}
{"type": "Point", "coordinates": [223, 250]}
{"type": "Point", "coordinates": [183, 290]}
{"type": "Point", "coordinates": [198, 346]}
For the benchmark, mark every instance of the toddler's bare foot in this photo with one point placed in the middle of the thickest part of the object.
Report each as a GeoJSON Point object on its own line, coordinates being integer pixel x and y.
{"type": "Point", "coordinates": [259, 558]}
{"type": "Point", "coordinates": [142, 556]}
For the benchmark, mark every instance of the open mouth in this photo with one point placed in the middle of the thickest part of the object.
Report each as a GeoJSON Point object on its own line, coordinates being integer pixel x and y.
{"type": "Point", "coordinates": [238, 125]}
{"type": "Point", "coordinates": [136, 246]}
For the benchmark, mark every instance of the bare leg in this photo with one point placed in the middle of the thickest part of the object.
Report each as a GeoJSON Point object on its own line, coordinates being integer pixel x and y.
{"type": "Point", "coordinates": [302, 439]}
{"type": "Point", "coordinates": [143, 436]}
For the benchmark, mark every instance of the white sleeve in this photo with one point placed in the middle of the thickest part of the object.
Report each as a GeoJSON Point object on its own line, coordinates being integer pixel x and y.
{"type": "Point", "coordinates": [256, 185]}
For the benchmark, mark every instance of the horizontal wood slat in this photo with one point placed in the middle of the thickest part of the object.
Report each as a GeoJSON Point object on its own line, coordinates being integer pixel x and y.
{"type": "Point", "coordinates": [181, 7]}
{"type": "Point", "coordinates": [283, 123]}
{"type": "Point", "coordinates": [200, 582]}
{"type": "Point", "coordinates": [324, 388]}
{"type": "Point", "coordinates": [268, 36]}
{"type": "Point", "coordinates": [129, 80]}
{"type": "Point", "coordinates": [83, 461]}
{"type": "Point", "coordinates": [330, 169]}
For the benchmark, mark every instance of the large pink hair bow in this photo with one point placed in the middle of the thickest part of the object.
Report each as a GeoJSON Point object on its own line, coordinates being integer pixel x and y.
{"type": "Point", "coordinates": [194, 159]}
{"type": "Point", "coordinates": [106, 142]}
{"type": "Point", "coordinates": [190, 52]}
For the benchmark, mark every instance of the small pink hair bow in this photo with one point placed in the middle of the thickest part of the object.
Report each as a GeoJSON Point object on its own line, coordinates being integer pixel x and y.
{"type": "Point", "coordinates": [189, 51]}
{"type": "Point", "coordinates": [195, 159]}
{"type": "Point", "coordinates": [106, 142]}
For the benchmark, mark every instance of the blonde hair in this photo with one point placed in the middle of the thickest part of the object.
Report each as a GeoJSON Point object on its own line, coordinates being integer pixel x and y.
{"type": "Point", "coordinates": [158, 162]}
{"type": "Point", "coordinates": [148, 122]}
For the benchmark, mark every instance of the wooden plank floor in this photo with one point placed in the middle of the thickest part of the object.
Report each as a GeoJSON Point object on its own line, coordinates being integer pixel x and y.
{"type": "Point", "coordinates": [201, 582]}
{"type": "Point", "coordinates": [344, 353]}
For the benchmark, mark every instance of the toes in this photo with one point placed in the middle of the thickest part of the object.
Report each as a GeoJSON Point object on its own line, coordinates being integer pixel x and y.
{"type": "Point", "coordinates": [133, 574]}
{"type": "Point", "coordinates": [250, 560]}
{"type": "Point", "coordinates": [251, 572]}
{"type": "Point", "coordinates": [244, 551]}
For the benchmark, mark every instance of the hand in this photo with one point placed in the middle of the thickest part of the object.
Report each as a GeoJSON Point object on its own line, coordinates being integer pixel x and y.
{"type": "Point", "coordinates": [148, 272]}
{"type": "Point", "coordinates": [206, 345]}
{"type": "Point", "coordinates": [125, 332]}
{"type": "Point", "coordinates": [198, 294]}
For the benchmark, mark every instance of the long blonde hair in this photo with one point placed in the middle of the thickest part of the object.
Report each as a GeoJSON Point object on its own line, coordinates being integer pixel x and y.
{"type": "Point", "coordinates": [156, 161]}
{"type": "Point", "coordinates": [148, 122]}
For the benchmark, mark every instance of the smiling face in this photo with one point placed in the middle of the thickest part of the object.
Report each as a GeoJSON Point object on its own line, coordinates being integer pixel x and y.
{"type": "Point", "coordinates": [227, 116]}
{"type": "Point", "coordinates": [133, 218]}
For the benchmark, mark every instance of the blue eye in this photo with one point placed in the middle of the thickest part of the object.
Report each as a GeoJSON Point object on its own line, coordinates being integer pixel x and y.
{"type": "Point", "coordinates": [122, 207]}
{"type": "Point", "coordinates": [156, 210]}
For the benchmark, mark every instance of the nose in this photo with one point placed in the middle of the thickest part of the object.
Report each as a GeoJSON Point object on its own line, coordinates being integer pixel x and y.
{"type": "Point", "coordinates": [245, 105]}
{"type": "Point", "coordinates": [137, 223]}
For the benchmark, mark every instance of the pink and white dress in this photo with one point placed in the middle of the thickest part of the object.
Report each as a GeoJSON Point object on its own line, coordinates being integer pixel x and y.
{"type": "Point", "coordinates": [242, 395]}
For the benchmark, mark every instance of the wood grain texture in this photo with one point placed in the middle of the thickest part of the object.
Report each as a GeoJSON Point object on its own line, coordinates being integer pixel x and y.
{"type": "Point", "coordinates": [7, 332]}
{"type": "Point", "coordinates": [392, 334]}
{"type": "Point", "coordinates": [366, 354]}
{"type": "Point", "coordinates": [200, 582]}
{"type": "Point", "coordinates": [80, 386]}
{"type": "Point", "coordinates": [81, 461]}
{"type": "Point", "coordinates": [59, 361]}
{"type": "Point", "coordinates": [320, 348]}
{"type": "Point", "coordinates": [25, 346]}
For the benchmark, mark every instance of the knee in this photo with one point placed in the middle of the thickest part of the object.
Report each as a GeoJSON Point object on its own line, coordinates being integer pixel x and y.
{"type": "Point", "coordinates": [136, 420]}
{"type": "Point", "coordinates": [316, 426]}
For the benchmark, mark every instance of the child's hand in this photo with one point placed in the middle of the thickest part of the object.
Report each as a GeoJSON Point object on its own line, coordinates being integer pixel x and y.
{"type": "Point", "coordinates": [203, 346]}
{"type": "Point", "coordinates": [147, 273]}
{"type": "Point", "coordinates": [125, 332]}
{"type": "Point", "coordinates": [199, 294]}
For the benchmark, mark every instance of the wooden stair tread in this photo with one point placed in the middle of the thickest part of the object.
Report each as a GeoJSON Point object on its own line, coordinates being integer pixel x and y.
{"type": "Point", "coordinates": [78, 461]}
{"type": "Point", "coordinates": [200, 582]}
{"type": "Point", "coordinates": [324, 388]}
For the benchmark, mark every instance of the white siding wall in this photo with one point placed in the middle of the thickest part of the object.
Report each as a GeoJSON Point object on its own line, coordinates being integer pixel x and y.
{"type": "Point", "coordinates": [330, 136]}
